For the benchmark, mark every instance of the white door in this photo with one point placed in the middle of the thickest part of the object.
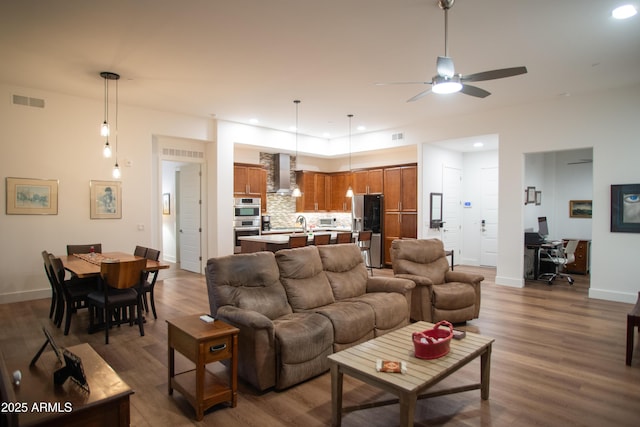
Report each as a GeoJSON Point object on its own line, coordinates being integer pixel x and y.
{"type": "Point", "coordinates": [452, 210]}
{"type": "Point", "coordinates": [489, 239]}
{"type": "Point", "coordinates": [188, 217]}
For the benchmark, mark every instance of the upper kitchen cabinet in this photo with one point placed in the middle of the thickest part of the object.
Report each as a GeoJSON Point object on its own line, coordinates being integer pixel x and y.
{"type": "Point", "coordinates": [368, 181]}
{"type": "Point", "coordinates": [250, 181]}
{"type": "Point", "coordinates": [315, 189]}
{"type": "Point", "coordinates": [339, 184]}
{"type": "Point", "coordinates": [400, 189]}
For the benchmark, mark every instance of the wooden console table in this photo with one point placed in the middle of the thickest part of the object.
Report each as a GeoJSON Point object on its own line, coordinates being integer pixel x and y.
{"type": "Point", "coordinates": [203, 343]}
{"type": "Point", "coordinates": [43, 403]}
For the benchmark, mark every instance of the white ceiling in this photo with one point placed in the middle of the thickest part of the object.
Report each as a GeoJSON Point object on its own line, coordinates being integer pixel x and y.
{"type": "Point", "coordinates": [243, 59]}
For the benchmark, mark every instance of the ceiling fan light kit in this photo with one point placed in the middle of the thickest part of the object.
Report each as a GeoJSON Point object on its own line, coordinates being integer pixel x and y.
{"type": "Point", "coordinates": [444, 84]}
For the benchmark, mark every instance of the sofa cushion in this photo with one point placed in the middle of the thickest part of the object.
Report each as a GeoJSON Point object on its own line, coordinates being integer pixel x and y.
{"type": "Point", "coordinates": [390, 309]}
{"type": "Point", "coordinates": [345, 270]}
{"type": "Point", "coordinates": [248, 281]}
{"type": "Point", "coordinates": [453, 295]}
{"type": "Point", "coordinates": [303, 279]}
{"type": "Point", "coordinates": [353, 321]}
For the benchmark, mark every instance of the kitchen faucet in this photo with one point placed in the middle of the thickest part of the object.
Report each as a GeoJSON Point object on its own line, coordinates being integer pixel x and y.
{"type": "Point", "coordinates": [302, 221]}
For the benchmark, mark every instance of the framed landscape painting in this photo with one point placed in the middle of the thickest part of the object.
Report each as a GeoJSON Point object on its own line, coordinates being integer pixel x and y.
{"type": "Point", "coordinates": [106, 200]}
{"type": "Point", "coordinates": [625, 208]}
{"type": "Point", "coordinates": [580, 208]}
{"type": "Point", "coordinates": [29, 196]}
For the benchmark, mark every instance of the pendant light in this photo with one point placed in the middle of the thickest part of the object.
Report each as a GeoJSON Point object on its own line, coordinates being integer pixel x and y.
{"type": "Point", "coordinates": [349, 190]}
{"type": "Point", "coordinates": [105, 128]}
{"type": "Point", "coordinates": [116, 168]}
{"type": "Point", "coordinates": [296, 190]}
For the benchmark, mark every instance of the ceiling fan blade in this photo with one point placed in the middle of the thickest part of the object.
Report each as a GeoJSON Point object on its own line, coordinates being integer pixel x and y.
{"type": "Point", "coordinates": [402, 83]}
{"type": "Point", "coordinates": [494, 74]}
{"type": "Point", "coordinates": [420, 95]}
{"type": "Point", "coordinates": [474, 91]}
{"type": "Point", "coordinates": [445, 67]}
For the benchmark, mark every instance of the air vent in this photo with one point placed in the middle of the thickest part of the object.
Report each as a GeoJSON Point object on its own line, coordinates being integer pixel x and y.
{"type": "Point", "coordinates": [397, 136]}
{"type": "Point", "coordinates": [28, 102]}
{"type": "Point", "coordinates": [175, 152]}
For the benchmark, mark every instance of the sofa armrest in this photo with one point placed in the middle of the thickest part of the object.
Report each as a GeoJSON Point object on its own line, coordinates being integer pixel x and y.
{"type": "Point", "coordinates": [240, 317]}
{"type": "Point", "coordinates": [389, 284]}
{"type": "Point", "coordinates": [458, 276]}
{"type": "Point", "coordinates": [418, 280]}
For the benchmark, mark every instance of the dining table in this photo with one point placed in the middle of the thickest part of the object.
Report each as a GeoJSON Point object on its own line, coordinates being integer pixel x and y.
{"type": "Point", "coordinates": [88, 265]}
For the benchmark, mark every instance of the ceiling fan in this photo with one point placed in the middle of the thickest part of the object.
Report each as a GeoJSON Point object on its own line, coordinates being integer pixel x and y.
{"type": "Point", "coordinates": [447, 81]}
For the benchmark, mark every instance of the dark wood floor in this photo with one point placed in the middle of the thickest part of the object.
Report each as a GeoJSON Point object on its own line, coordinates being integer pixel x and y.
{"type": "Point", "coordinates": [558, 360]}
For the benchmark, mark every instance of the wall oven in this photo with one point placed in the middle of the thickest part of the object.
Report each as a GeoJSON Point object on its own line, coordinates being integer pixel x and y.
{"type": "Point", "coordinates": [246, 219]}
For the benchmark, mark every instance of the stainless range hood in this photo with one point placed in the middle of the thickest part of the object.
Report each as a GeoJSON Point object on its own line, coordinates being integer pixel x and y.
{"type": "Point", "coordinates": [282, 174]}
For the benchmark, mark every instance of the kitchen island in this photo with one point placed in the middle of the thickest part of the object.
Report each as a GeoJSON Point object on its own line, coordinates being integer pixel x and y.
{"type": "Point", "coordinates": [275, 242]}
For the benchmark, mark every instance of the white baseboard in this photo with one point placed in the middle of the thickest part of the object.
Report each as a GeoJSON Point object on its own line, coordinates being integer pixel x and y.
{"type": "Point", "coordinates": [24, 296]}
{"type": "Point", "coordinates": [510, 281]}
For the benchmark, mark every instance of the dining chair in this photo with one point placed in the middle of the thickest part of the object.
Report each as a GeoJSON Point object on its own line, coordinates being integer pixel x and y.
{"type": "Point", "coordinates": [140, 251]}
{"type": "Point", "coordinates": [56, 310]}
{"type": "Point", "coordinates": [148, 286]}
{"type": "Point", "coordinates": [297, 241]}
{"type": "Point", "coordinates": [321, 239]}
{"type": "Point", "coordinates": [344, 237]}
{"type": "Point", "coordinates": [121, 284]}
{"type": "Point", "coordinates": [364, 242]}
{"type": "Point", "coordinates": [84, 249]}
{"type": "Point", "coordinates": [75, 291]}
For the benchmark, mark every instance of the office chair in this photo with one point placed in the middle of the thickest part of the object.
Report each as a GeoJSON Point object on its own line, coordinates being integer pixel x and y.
{"type": "Point", "coordinates": [560, 258]}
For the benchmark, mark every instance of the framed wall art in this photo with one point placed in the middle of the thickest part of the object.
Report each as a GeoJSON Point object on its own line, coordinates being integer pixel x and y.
{"type": "Point", "coordinates": [530, 195]}
{"type": "Point", "coordinates": [166, 204]}
{"type": "Point", "coordinates": [106, 199]}
{"type": "Point", "coordinates": [625, 208]}
{"type": "Point", "coordinates": [580, 208]}
{"type": "Point", "coordinates": [30, 196]}
{"type": "Point", "coordinates": [538, 198]}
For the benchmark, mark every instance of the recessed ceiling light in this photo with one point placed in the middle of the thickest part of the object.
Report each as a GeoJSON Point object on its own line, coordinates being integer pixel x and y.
{"type": "Point", "coordinates": [326, 135]}
{"type": "Point", "coordinates": [361, 128]}
{"type": "Point", "coordinates": [624, 12]}
{"type": "Point", "coordinates": [478, 144]}
{"type": "Point", "coordinates": [292, 128]}
{"type": "Point", "coordinates": [254, 121]}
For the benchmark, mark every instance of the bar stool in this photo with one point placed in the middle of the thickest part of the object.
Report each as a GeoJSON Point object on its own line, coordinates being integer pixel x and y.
{"type": "Point", "coordinates": [297, 241]}
{"type": "Point", "coordinates": [364, 242]}
{"type": "Point", "coordinates": [321, 239]}
{"type": "Point", "coordinates": [633, 321]}
{"type": "Point", "coordinates": [344, 237]}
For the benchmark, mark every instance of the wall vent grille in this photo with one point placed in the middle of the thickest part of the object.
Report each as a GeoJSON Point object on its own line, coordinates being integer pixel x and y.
{"type": "Point", "coordinates": [28, 102]}
{"type": "Point", "coordinates": [177, 152]}
{"type": "Point", "coordinates": [397, 136]}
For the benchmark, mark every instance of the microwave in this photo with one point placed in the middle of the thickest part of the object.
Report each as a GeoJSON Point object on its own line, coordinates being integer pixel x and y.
{"type": "Point", "coordinates": [244, 207]}
{"type": "Point", "coordinates": [327, 222]}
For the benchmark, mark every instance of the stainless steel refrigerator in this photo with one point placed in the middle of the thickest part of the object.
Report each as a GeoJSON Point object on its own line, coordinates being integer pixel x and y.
{"type": "Point", "coordinates": [367, 215]}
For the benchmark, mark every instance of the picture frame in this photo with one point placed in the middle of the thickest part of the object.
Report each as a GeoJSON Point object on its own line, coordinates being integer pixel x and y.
{"type": "Point", "coordinates": [105, 199]}
{"type": "Point", "coordinates": [530, 195]}
{"type": "Point", "coordinates": [166, 204]}
{"type": "Point", "coordinates": [31, 196]}
{"type": "Point", "coordinates": [580, 208]}
{"type": "Point", "coordinates": [538, 198]}
{"type": "Point", "coordinates": [625, 208]}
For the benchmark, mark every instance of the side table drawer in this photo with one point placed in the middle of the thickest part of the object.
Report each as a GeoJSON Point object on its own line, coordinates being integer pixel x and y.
{"type": "Point", "coordinates": [217, 349]}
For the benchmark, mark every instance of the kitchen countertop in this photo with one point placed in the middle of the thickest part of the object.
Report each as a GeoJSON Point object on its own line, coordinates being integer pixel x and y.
{"type": "Point", "coordinates": [298, 230]}
{"type": "Point", "coordinates": [283, 239]}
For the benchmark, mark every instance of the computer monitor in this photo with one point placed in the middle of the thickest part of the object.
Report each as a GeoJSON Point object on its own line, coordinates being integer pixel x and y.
{"type": "Point", "coordinates": [543, 228]}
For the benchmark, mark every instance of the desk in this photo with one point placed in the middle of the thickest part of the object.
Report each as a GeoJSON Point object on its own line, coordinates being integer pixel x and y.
{"type": "Point", "coordinates": [360, 362]}
{"type": "Point", "coordinates": [539, 249]}
{"type": "Point", "coordinates": [82, 268]}
{"type": "Point", "coordinates": [106, 405]}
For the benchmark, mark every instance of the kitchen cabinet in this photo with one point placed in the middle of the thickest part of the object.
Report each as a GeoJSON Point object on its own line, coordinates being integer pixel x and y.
{"type": "Point", "coordinates": [581, 264]}
{"type": "Point", "coordinates": [315, 187]}
{"type": "Point", "coordinates": [339, 184]}
{"type": "Point", "coordinates": [398, 225]}
{"type": "Point", "coordinates": [250, 181]}
{"type": "Point", "coordinates": [400, 205]}
{"type": "Point", "coordinates": [369, 181]}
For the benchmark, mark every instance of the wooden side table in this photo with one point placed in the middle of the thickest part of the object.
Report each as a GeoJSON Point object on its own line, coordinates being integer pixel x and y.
{"type": "Point", "coordinates": [203, 343]}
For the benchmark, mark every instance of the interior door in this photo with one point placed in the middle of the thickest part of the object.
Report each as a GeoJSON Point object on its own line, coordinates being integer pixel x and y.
{"type": "Point", "coordinates": [188, 213]}
{"type": "Point", "coordinates": [452, 210]}
{"type": "Point", "coordinates": [489, 239]}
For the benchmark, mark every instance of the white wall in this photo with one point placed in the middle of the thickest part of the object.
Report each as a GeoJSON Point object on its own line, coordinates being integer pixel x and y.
{"type": "Point", "coordinates": [62, 142]}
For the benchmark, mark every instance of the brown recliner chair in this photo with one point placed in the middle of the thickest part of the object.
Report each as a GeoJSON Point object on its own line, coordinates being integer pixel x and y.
{"type": "Point", "coordinates": [440, 294]}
